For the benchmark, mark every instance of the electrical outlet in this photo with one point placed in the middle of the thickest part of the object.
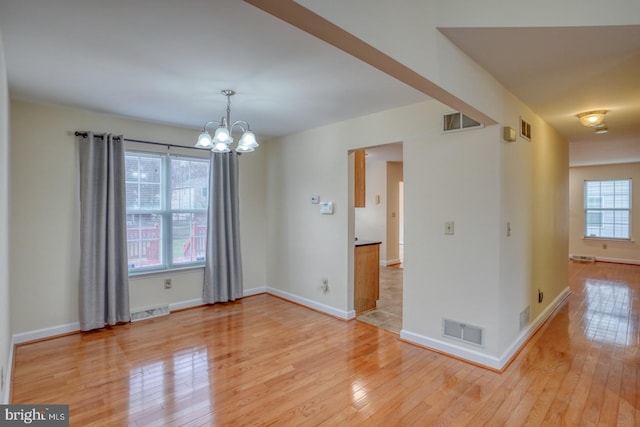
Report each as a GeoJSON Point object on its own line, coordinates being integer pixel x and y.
{"type": "Point", "coordinates": [448, 228]}
{"type": "Point", "coordinates": [167, 283]}
{"type": "Point", "coordinates": [325, 286]}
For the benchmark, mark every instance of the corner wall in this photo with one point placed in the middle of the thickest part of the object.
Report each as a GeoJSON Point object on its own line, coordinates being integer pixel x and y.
{"type": "Point", "coordinates": [5, 307]}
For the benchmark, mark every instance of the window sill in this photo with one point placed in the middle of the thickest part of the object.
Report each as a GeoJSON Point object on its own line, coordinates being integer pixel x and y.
{"type": "Point", "coordinates": [608, 239]}
{"type": "Point", "coordinates": [150, 273]}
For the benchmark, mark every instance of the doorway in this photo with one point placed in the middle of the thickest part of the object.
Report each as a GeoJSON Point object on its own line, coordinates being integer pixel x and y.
{"type": "Point", "coordinates": [382, 219]}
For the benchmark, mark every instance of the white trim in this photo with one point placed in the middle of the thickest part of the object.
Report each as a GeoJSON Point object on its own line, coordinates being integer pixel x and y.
{"type": "Point", "coordinates": [385, 263]}
{"type": "Point", "coordinates": [182, 305]}
{"type": "Point", "coordinates": [8, 374]}
{"type": "Point", "coordinates": [481, 358]}
{"type": "Point", "coordinates": [254, 291]}
{"type": "Point", "coordinates": [452, 349]}
{"type": "Point", "coordinates": [46, 332]}
{"type": "Point", "coordinates": [618, 260]}
{"type": "Point", "coordinates": [346, 315]}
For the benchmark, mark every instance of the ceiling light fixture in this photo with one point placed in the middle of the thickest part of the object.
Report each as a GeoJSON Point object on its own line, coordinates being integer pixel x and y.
{"type": "Point", "coordinates": [222, 139]}
{"type": "Point", "coordinates": [592, 118]}
{"type": "Point", "coordinates": [602, 129]}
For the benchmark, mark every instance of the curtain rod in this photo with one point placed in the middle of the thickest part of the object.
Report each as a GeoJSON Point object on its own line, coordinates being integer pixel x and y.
{"type": "Point", "coordinates": [85, 134]}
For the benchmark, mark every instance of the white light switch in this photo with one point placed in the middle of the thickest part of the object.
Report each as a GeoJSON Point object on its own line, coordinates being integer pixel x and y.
{"type": "Point", "coordinates": [448, 228]}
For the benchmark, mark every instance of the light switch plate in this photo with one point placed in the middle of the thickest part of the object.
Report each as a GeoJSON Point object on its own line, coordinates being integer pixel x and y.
{"type": "Point", "coordinates": [315, 199]}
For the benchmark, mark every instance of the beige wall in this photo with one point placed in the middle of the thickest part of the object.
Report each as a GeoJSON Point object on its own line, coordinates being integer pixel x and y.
{"type": "Point", "coordinates": [5, 307]}
{"type": "Point", "coordinates": [45, 216]}
{"type": "Point", "coordinates": [604, 249]}
{"type": "Point", "coordinates": [473, 178]}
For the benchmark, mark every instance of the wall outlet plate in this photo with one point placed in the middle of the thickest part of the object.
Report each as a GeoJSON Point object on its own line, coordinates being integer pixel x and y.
{"type": "Point", "coordinates": [448, 228]}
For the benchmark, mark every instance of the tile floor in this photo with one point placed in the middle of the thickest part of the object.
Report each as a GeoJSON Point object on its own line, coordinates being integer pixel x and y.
{"type": "Point", "coordinates": [388, 313]}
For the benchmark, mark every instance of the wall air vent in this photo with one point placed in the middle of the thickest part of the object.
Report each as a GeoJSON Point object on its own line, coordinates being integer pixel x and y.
{"type": "Point", "coordinates": [148, 313]}
{"type": "Point", "coordinates": [463, 332]}
{"type": "Point", "coordinates": [525, 129]}
{"type": "Point", "coordinates": [452, 122]}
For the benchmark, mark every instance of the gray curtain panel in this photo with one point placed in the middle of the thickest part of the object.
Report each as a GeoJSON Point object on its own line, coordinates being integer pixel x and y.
{"type": "Point", "coordinates": [223, 266]}
{"type": "Point", "coordinates": [104, 278]}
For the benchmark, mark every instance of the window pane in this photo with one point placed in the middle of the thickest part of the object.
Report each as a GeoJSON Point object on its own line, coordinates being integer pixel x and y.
{"type": "Point", "coordinates": [189, 183]}
{"type": "Point", "coordinates": [144, 239]}
{"type": "Point", "coordinates": [143, 181]}
{"type": "Point", "coordinates": [189, 237]}
{"type": "Point", "coordinates": [607, 208]}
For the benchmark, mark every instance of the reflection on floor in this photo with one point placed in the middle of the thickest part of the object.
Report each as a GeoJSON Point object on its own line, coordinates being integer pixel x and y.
{"type": "Point", "coordinates": [388, 313]}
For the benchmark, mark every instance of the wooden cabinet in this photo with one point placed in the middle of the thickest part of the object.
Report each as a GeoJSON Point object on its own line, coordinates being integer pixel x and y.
{"type": "Point", "coordinates": [359, 179]}
{"type": "Point", "coordinates": [366, 282]}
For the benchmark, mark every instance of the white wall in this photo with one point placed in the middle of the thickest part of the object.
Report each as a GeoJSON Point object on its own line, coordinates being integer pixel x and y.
{"type": "Point", "coordinates": [5, 307]}
{"type": "Point", "coordinates": [371, 220]}
{"type": "Point", "coordinates": [45, 216]}
{"type": "Point", "coordinates": [376, 221]}
{"type": "Point", "coordinates": [606, 250]}
{"type": "Point", "coordinates": [394, 178]}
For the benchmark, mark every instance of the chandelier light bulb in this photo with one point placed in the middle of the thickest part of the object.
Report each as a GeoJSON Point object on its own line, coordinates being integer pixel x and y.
{"type": "Point", "coordinates": [221, 135]}
{"type": "Point", "coordinates": [204, 140]}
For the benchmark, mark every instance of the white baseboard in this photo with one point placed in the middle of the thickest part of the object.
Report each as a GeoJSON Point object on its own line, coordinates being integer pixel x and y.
{"type": "Point", "coordinates": [618, 260]}
{"type": "Point", "coordinates": [46, 332]}
{"type": "Point", "coordinates": [8, 375]}
{"type": "Point", "coordinates": [482, 358]}
{"type": "Point", "coordinates": [182, 305]}
{"type": "Point", "coordinates": [254, 291]}
{"type": "Point", "coordinates": [346, 315]}
{"type": "Point", "coordinates": [452, 349]}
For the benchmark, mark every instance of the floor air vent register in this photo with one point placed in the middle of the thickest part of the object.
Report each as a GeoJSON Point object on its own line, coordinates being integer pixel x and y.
{"type": "Point", "coordinates": [463, 332]}
{"type": "Point", "coordinates": [149, 312]}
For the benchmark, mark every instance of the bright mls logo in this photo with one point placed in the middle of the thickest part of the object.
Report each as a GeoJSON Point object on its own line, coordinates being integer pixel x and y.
{"type": "Point", "coordinates": [35, 415]}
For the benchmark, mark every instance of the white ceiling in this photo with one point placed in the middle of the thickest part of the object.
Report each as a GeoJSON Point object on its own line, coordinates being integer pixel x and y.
{"type": "Point", "coordinates": [167, 61]}
{"type": "Point", "coordinates": [562, 71]}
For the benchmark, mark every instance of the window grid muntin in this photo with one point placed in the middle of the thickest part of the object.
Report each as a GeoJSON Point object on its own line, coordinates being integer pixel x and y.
{"type": "Point", "coordinates": [611, 199]}
{"type": "Point", "coordinates": [165, 213]}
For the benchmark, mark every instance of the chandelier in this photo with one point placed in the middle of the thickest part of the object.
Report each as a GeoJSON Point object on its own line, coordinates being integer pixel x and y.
{"type": "Point", "coordinates": [222, 139]}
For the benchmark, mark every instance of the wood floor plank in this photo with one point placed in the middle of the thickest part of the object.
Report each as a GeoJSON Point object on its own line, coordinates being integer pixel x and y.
{"type": "Point", "coordinates": [264, 361]}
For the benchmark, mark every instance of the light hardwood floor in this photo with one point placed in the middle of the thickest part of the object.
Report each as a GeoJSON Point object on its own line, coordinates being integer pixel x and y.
{"type": "Point", "coordinates": [264, 361]}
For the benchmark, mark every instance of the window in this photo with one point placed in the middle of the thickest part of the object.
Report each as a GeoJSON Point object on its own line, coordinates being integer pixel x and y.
{"type": "Point", "coordinates": [167, 199]}
{"type": "Point", "coordinates": [458, 121]}
{"type": "Point", "coordinates": [607, 209]}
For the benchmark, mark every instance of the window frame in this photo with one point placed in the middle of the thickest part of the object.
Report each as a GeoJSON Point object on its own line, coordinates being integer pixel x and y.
{"type": "Point", "coordinates": [588, 199]}
{"type": "Point", "coordinates": [166, 213]}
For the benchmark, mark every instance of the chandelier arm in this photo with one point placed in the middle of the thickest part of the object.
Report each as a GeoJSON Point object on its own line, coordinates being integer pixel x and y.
{"type": "Point", "coordinates": [240, 124]}
{"type": "Point", "coordinates": [204, 128]}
